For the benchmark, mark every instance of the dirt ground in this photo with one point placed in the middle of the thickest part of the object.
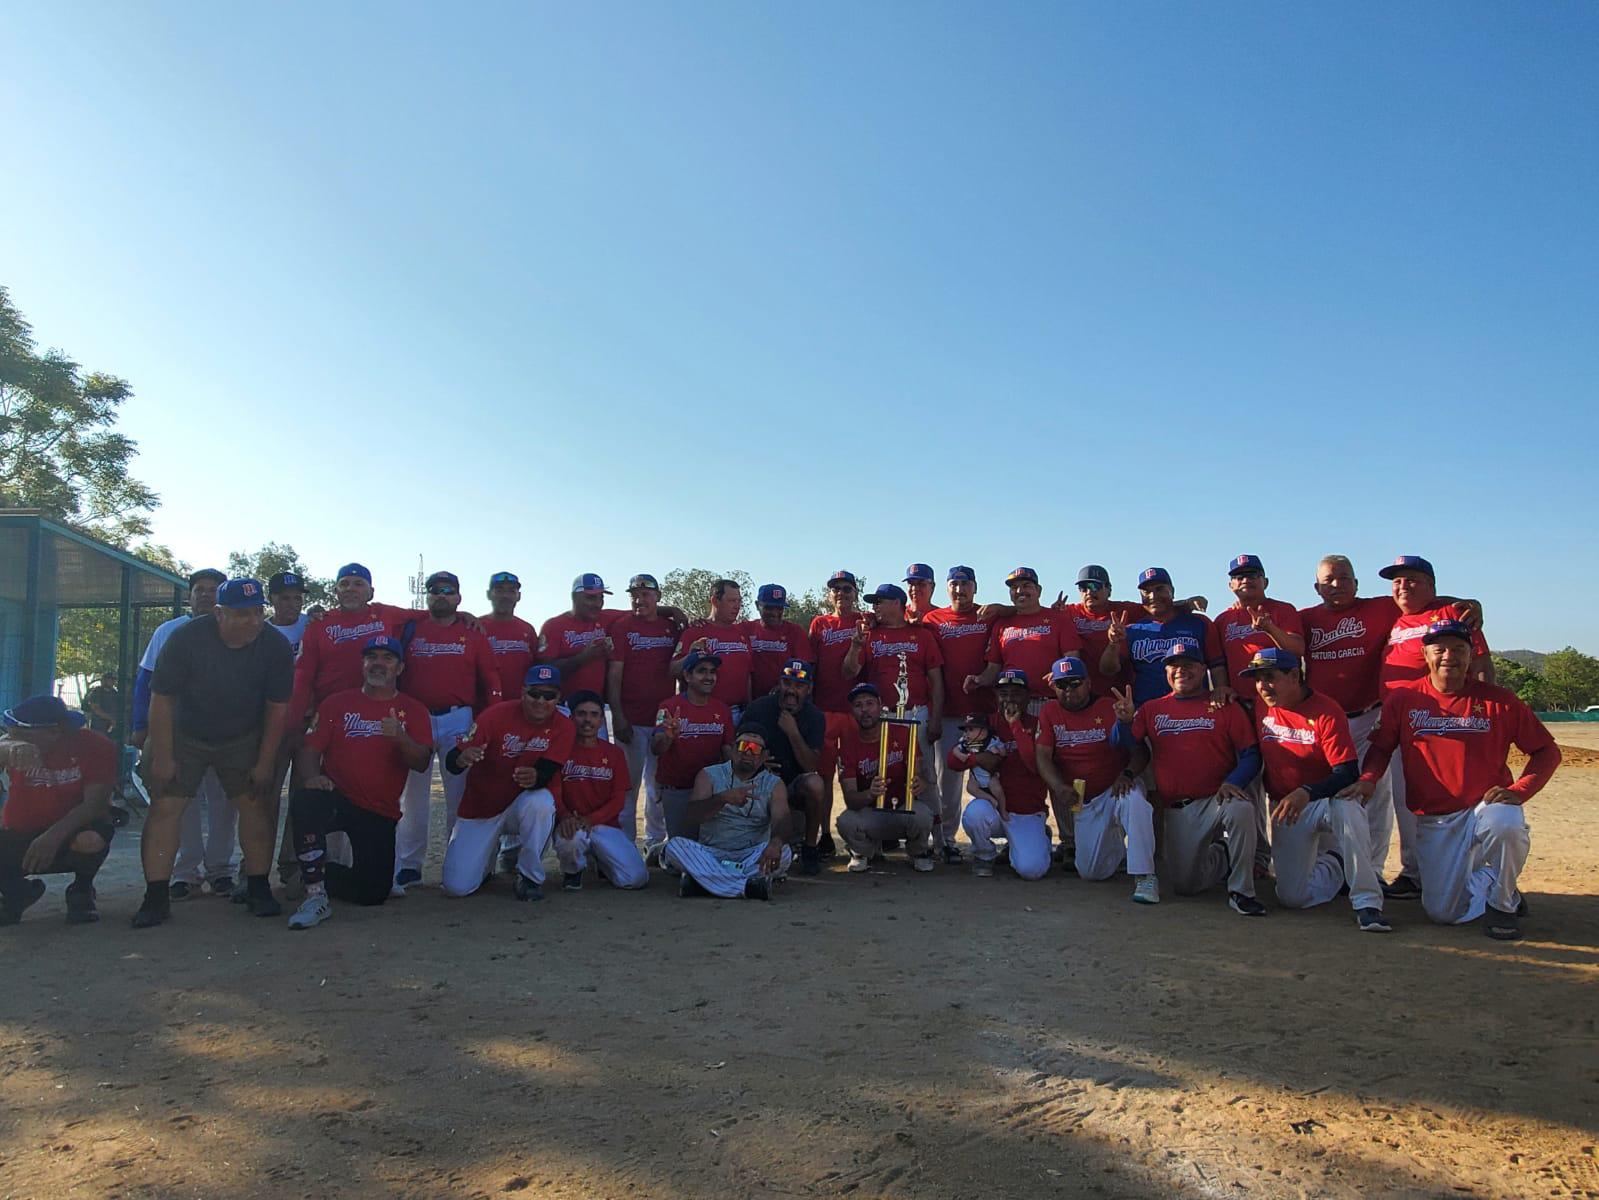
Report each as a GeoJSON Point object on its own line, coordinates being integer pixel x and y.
{"type": "Point", "coordinates": [887, 1034]}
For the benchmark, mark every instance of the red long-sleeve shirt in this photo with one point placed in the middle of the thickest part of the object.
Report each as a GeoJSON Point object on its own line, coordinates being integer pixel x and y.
{"type": "Point", "coordinates": [594, 784]}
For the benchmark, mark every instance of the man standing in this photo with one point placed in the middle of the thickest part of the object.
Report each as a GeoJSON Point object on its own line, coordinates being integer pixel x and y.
{"type": "Point", "coordinates": [792, 729]}
{"type": "Point", "coordinates": [451, 671]}
{"type": "Point", "coordinates": [513, 641]}
{"type": "Point", "coordinates": [1255, 621]}
{"type": "Point", "coordinates": [740, 813]}
{"type": "Point", "coordinates": [879, 650]}
{"type": "Point", "coordinates": [512, 757]}
{"type": "Point", "coordinates": [638, 681]}
{"type": "Point", "coordinates": [831, 637]}
{"type": "Point", "coordinates": [352, 768]}
{"type": "Point", "coordinates": [725, 638]}
{"type": "Point", "coordinates": [218, 702]}
{"type": "Point", "coordinates": [774, 642]}
{"type": "Point", "coordinates": [1021, 822]}
{"type": "Point", "coordinates": [1091, 616]}
{"type": "Point", "coordinates": [919, 579]}
{"type": "Point", "coordinates": [594, 787]}
{"type": "Point", "coordinates": [1147, 641]}
{"type": "Point", "coordinates": [330, 652]}
{"type": "Point", "coordinates": [1029, 640]}
{"type": "Point", "coordinates": [962, 632]}
{"type": "Point", "coordinates": [1453, 732]}
{"type": "Point", "coordinates": [866, 781]}
{"type": "Point", "coordinates": [286, 595]}
{"type": "Point", "coordinates": [577, 643]}
{"type": "Point", "coordinates": [692, 731]}
{"type": "Point", "coordinates": [1204, 757]}
{"type": "Point", "coordinates": [1308, 759]}
{"type": "Point", "coordinates": [1112, 819]}
{"type": "Point", "coordinates": [57, 815]}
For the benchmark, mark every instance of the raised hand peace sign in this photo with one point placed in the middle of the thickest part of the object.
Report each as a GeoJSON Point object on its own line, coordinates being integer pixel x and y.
{"type": "Point", "coordinates": [1122, 703]}
{"type": "Point", "coordinates": [1116, 631]}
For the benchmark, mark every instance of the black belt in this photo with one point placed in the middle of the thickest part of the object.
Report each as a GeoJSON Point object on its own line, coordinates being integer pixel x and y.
{"type": "Point", "coordinates": [1364, 711]}
{"type": "Point", "coordinates": [1184, 803]}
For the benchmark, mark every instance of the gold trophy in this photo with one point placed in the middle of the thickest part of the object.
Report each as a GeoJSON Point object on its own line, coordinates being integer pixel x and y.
{"type": "Point", "coordinates": [902, 692]}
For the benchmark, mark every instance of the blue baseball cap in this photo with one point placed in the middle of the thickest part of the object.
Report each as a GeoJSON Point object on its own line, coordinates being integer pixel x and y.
{"type": "Point", "coordinates": [1408, 562]}
{"type": "Point", "coordinates": [798, 670]}
{"type": "Point", "coordinates": [591, 583]}
{"type": "Point", "coordinates": [919, 573]}
{"type": "Point", "coordinates": [355, 569]}
{"type": "Point", "coordinates": [771, 593]}
{"type": "Point", "coordinates": [643, 581]}
{"type": "Point", "coordinates": [961, 575]}
{"type": "Point", "coordinates": [1094, 573]}
{"type": "Point", "coordinates": [41, 712]}
{"type": "Point", "coordinates": [888, 591]}
{"type": "Point", "coordinates": [1184, 648]}
{"type": "Point", "coordinates": [838, 578]}
{"type": "Point", "coordinates": [1013, 675]}
{"type": "Point", "coordinates": [1443, 629]}
{"type": "Point", "coordinates": [384, 642]}
{"type": "Point", "coordinates": [443, 577]}
{"type": "Point", "coordinates": [1021, 573]}
{"type": "Point", "coordinates": [542, 675]}
{"type": "Point", "coordinates": [865, 689]}
{"type": "Point", "coordinates": [1070, 667]}
{"type": "Point", "coordinates": [285, 581]}
{"type": "Point", "coordinates": [1150, 576]}
{"type": "Point", "coordinates": [241, 593]}
{"type": "Point", "coordinates": [1245, 564]}
{"type": "Point", "coordinates": [696, 657]}
{"type": "Point", "coordinates": [504, 577]}
{"type": "Point", "coordinates": [1271, 658]}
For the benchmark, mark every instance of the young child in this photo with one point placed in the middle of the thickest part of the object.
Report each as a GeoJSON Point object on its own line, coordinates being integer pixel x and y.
{"type": "Point", "coordinates": [977, 738]}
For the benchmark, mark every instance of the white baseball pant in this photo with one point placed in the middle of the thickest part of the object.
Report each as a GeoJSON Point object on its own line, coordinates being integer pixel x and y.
{"type": "Point", "coordinates": [1472, 859]}
{"type": "Point", "coordinates": [950, 782]}
{"type": "Point", "coordinates": [618, 856]}
{"type": "Point", "coordinates": [1380, 808]}
{"type": "Point", "coordinates": [209, 847]}
{"type": "Point", "coordinates": [720, 872]}
{"type": "Point", "coordinates": [474, 842]}
{"type": "Point", "coordinates": [864, 830]}
{"type": "Point", "coordinates": [411, 834]}
{"type": "Point", "coordinates": [1308, 874]}
{"type": "Point", "coordinates": [1026, 833]}
{"type": "Point", "coordinates": [1208, 841]}
{"type": "Point", "coordinates": [1111, 830]}
{"type": "Point", "coordinates": [641, 773]}
{"type": "Point", "coordinates": [1404, 819]}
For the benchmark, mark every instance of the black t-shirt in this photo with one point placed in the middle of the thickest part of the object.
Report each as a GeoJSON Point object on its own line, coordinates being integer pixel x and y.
{"type": "Point", "coordinates": [220, 692]}
{"type": "Point", "coordinates": [812, 726]}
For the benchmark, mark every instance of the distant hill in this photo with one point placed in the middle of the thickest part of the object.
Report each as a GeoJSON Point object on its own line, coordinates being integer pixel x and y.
{"type": "Point", "coordinates": [1527, 658]}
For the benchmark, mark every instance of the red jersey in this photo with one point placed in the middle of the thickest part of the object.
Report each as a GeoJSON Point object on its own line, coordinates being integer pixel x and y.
{"type": "Point", "coordinates": [1344, 650]}
{"type": "Point", "coordinates": [1240, 639]}
{"type": "Point", "coordinates": [1025, 791]}
{"type": "Point", "coordinates": [1193, 748]}
{"type": "Point", "coordinates": [770, 650]}
{"type": "Point", "coordinates": [1453, 748]}
{"type": "Point", "coordinates": [857, 760]}
{"type": "Point", "coordinates": [1403, 662]}
{"type": "Point", "coordinates": [963, 641]}
{"type": "Point", "coordinates": [514, 643]}
{"type": "Point", "coordinates": [450, 666]}
{"type": "Point", "coordinates": [364, 765]}
{"type": "Point", "coordinates": [644, 648]}
{"type": "Point", "coordinates": [731, 644]}
{"type": "Point", "coordinates": [594, 784]}
{"type": "Point", "coordinates": [1093, 629]}
{"type": "Point", "coordinates": [1302, 743]}
{"type": "Point", "coordinates": [880, 657]}
{"type": "Point", "coordinates": [330, 652]}
{"type": "Point", "coordinates": [567, 636]}
{"type": "Point", "coordinates": [1079, 742]}
{"type": "Point", "coordinates": [830, 641]}
{"type": "Point", "coordinates": [1032, 643]}
{"type": "Point", "coordinates": [42, 794]}
{"type": "Point", "coordinates": [706, 730]}
{"type": "Point", "coordinates": [509, 741]}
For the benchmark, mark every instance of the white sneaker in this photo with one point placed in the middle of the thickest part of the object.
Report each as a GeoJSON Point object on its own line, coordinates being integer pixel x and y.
{"type": "Point", "coordinates": [1147, 890]}
{"type": "Point", "coordinates": [313, 911]}
{"type": "Point", "coordinates": [858, 863]}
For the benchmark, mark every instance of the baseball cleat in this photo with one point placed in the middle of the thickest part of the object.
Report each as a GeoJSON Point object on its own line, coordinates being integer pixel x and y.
{"type": "Point", "coordinates": [180, 891]}
{"type": "Point", "coordinates": [859, 863]}
{"type": "Point", "coordinates": [1245, 906]}
{"type": "Point", "coordinates": [407, 877]}
{"type": "Point", "coordinates": [571, 881]}
{"type": "Point", "coordinates": [923, 862]}
{"type": "Point", "coordinates": [1501, 926]}
{"type": "Point", "coordinates": [80, 904]}
{"type": "Point", "coordinates": [11, 910]}
{"type": "Point", "coordinates": [1147, 890]}
{"type": "Point", "coordinates": [526, 889]}
{"type": "Point", "coordinates": [313, 911]}
{"type": "Point", "coordinates": [1371, 920]}
{"type": "Point", "coordinates": [1402, 888]}
{"type": "Point", "coordinates": [758, 887]}
{"type": "Point", "coordinates": [983, 868]}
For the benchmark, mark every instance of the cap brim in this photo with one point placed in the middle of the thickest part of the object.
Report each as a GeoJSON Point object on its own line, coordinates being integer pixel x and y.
{"type": "Point", "coordinates": [592, 592]}
{"type": "Point", "coordinates": [1193, 658]}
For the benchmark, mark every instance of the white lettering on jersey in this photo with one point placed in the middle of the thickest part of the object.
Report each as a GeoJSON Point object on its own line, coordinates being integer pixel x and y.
{"type": "Point", "coordinates": [1273, 730]}
{"type": "Point", "coordinates": [1427, 724]}
{"type": "Point", "coordinates": [1165, 723]}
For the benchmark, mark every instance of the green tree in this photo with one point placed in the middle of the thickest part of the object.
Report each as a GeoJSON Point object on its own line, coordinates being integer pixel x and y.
{"type": "Point", "coordinates": [57, 450]}
{"type": "Point", "coordinates": [1524, 680]}
{"type": "Point", "coordinates": [274, 557]}
{"type": "Point", "coordinates": [1571, 678]}
{"type": "Point", "coordinates": [802, 608]}
{"type": "Point", "coordinates": [689, 588]}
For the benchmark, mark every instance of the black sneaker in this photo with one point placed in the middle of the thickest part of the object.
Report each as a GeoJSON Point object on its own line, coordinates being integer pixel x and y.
{"type": "Point", "coordinates": [263, 906]}
{"type": "Point", "coordinates": [222, 885]}
{"type": "Point", "coordinates": [571, 881]}
{"type": "Point", "coordinates": [526, 889]}
{"type": "Point", "coordinates": [1500, 925]}
{"type": "Point", "coordinates": [11, 910]}
{"type": "Point", "coordinates": [1245, 906]}
{"type": "Point", "coordinates": [152, 914]}
{"type": "Point", "coordinates": [180, 891]}
{"type": "Point", "coordinates": [1371, 920]}
{"type": "Point", "coordinates": [1402, 888]}
{"type": "Point", "coordinates": [953, 856]}
{"type": "Point", "coordinates": [688, 886]}
{"type": "Point", "coordinates": [80, 904]}
{"type": "Point", "coordinates": [810, 861]}
{"type": "Point", "coordinates": [825, 846]}
{"type": "Point", "coordinates": [758, 887]}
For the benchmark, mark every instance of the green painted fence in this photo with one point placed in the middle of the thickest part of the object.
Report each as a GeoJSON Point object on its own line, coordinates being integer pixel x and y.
{"type": "Point", "coordinates": [1568, 716]}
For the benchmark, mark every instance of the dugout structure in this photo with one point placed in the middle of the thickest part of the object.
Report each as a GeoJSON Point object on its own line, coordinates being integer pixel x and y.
{"type": "Point", "coordinates": [47, 568]}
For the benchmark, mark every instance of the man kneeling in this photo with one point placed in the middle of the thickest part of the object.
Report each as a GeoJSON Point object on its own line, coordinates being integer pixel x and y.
{"type": "Point", "coordinates": [742, 812]}
{"type": "Point", "coordinates": [866, 783]}
{"type": "Point", "coordinates": [594, 789]}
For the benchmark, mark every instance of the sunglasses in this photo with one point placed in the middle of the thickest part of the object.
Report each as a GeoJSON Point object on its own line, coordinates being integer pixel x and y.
{"type": "Point", "coordinates": [442, 589]}
{"type": "Point", "coordinates": [542, 693]}
{"type": "Point", "coordinates": [750, 746]}
{"type": "Point", "coordinates": [1088, 585]}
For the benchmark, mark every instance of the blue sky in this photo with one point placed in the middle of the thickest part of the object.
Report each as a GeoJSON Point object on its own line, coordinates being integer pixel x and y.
{"type": "Point", "coordinates": [627, 287]}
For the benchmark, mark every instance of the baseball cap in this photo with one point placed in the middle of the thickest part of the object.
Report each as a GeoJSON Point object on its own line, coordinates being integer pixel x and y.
{"type": "Point", "coordinates": [798, 670]}
{"type": "Point", "coordinates": [1150, 576]}
{"type": "Point", "coordinates": [1443, 629]}
{"type": "Point", "coordinates": [643, 581]}
{"type": "Point", "coordinates": [888, 591]}
{"type": "Point", "coordinates": [1070, 667]}
{"type": "Point", "coordinates": [1408, 562]}
{"type": "Point", "coordinates": [1244, 564]}
{"type": "Point", "coordinates": [589, 582]}
{"type": "Point", "coordinates": [771, 593]}
{"type": "Point", "coordinates": [961, 575]}
{"type": "Point", "coordinates": [973, 721]}
{"type": "Point", "coordinates": [919, 573]}
{"type": "Point", "coordinates": [41, 712]}
{"type": "Point", "coordinates": [355, 569]}
{"type": "Point", "coordinates": [865, 689]}
{"type": "Point", "coordinates": [842, 577]}
{"type": "Point", "coordinates": [1184, 648]}
{"type": "Point", "coordinates": [1012, 675]}
{"type": "Point", "coordinates": [695, 658]}
{"type": "Point", "coordinates": [542, 675]}
{"type": "Point", "coordinates": [443, 577]}
{"type": "Point", "coordinates": [384, 642]}
{"type": "Point", "coordinates": [1271, 658]}
{"type": "Point", "coordinates": [285, 581]}
{"type": "Point", "coordinates": [241, 593]}
{"type": "Point", "coordinates": [1018, 573]}
{"type": "Point", "coordinates": [207, 573]}
{"type": "Point", "coordinates": [504, 577]}
{"type": "Point", "coordinates": [1093, 573]}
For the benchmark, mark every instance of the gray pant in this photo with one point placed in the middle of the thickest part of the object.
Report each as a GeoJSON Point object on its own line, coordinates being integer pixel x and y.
{"type": "Point", "coordinates": [864, 830]}
{"type": "Point", "coordinates": [1208, 841]}
{"type": "Point", "coordinates": [674, 806]}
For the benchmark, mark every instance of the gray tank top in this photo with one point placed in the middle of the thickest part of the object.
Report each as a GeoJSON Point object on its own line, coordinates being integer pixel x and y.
{"type": "Point", "coordinates": [741, 828]}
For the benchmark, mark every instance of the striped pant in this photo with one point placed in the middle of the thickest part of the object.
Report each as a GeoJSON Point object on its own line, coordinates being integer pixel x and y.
{"type": "Point", "coordinates": [720, 872]}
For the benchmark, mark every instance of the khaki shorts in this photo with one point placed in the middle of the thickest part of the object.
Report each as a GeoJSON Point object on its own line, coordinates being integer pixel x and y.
{"type": "Point", "coordinates": [231, 760]}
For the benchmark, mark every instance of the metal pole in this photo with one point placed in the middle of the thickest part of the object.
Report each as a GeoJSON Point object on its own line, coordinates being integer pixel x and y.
{"type": "Point", "coordinates": [30, 627]}
{"type": "Point", "coordinates": [125, 651]}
